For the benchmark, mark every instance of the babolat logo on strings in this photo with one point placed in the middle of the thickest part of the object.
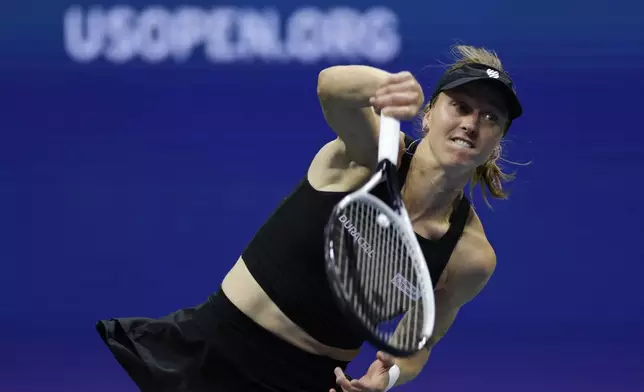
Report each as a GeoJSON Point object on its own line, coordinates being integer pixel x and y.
{"type": "Point", "coordinates": [406, 287]}
{"type": "Point", "coordinates": [362, 242]}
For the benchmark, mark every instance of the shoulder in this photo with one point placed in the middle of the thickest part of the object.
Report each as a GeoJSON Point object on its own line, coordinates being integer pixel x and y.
{"type": "Point", "coordinates": [474, 261]}
{"type": "Point", "coordinates": [333, 169]}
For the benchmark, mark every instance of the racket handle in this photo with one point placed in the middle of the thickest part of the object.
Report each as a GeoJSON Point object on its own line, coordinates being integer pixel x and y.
{"type": "Point", "coordinates": [389, 139]}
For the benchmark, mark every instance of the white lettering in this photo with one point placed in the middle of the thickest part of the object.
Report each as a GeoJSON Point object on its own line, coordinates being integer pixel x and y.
{"type": "Point", "coordinates": [219, 31]}
{"type": "Point", "coordinates": [353, 232]}
{"type": "Point", "coordinates": [304, 38]}
{"type": "Point", "coordinates": [155, 30]}
{"type": "Point", "coordinates": [229, 34]}
{"type": "Point", "coordinates": [259, 35]}
{"type": "Point", "coordinates": [123, 44]}
{"type": "Point", "coordinates": [186, 32]}
{"type": "Point", "coordinates": [83, 37]}
{"type": "Point", "coordinates": [406, 287]}
{"type": "Point", "coordinates": [343, 32]}
{"type": "Point", "coordinates": [383, 42]}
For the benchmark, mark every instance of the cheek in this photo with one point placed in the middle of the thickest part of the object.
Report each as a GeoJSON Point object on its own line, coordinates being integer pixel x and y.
{"type": "Point", "coordinates": [441, 125]}
{"type": "Point", "coordinates": [437, 135]}
{"type": "Point", "coordinates": [488, 147]}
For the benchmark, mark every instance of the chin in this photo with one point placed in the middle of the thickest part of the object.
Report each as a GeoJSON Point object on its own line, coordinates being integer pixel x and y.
{"type": "Point", "coordinates": [459, 158]}
{"type": "Point", "coordinates": [458, 163]}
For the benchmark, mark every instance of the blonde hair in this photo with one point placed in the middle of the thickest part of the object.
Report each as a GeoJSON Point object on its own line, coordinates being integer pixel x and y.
{"type": "Point", "coordinates": [490, 175]}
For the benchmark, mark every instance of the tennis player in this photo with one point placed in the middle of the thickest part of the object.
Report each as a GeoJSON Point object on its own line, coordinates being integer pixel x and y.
{"type": "Point", "coordinates": [274, 325]}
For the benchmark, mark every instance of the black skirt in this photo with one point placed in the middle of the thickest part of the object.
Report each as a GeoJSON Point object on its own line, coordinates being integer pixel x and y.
{"type": "Point", "coordinates": [212, 347]}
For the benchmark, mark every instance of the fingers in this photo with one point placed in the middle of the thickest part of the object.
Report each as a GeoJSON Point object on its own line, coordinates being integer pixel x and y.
{"type": "Point", "coordinates": [386, 359]}
{"type": "Point", "coordinates": [399, 77]}
{"type": "Point", "coordinates": [392, 87]}
{"type": "Point", "coordinates": [342, 381]}
{"type": "Point", "coordinates": [400, 96]}
{"type": "Point", "coordinates": [358, 385]}
{"type": "Point", "coordinates": [402, 105]}
{"type": "Point", "coordinates": [410, 89]}
{"type": "Point", "coordinates": [396, 99]}
{"type": "Point", "coordinates": [403, 81]}
{"type": "Point", "coordinates": [346, 385]}
{"type": "Point", "coordinates": [400, 112]}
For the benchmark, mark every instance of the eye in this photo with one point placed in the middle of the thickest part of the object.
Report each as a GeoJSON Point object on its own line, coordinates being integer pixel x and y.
{"type": "Point", "coordinates": [461, 107]}
{"type": "Point", "coordinates": [491, 117]}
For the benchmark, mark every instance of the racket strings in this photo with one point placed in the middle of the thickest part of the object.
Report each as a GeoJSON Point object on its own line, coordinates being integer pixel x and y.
{"type": "Point", "coordinates": [375, 260]}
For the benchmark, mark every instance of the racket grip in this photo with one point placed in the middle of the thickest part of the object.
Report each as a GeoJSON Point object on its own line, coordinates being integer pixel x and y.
{"type": "Point", "coordinates": [389, 139]}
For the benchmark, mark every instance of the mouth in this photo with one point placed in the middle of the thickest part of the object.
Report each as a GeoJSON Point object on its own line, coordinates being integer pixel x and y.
{"type": "Point", "coordinates": [463, 143]}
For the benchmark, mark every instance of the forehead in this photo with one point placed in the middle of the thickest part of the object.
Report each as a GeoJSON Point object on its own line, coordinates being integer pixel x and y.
{"type": "Point", "coordinates": [484, 93]}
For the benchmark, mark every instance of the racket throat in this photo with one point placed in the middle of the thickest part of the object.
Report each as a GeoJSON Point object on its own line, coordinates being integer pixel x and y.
{"type": "Point", "coordinates": [390, 173]}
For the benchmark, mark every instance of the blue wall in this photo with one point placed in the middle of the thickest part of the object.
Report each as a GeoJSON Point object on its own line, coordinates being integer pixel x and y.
{"type": "Point", "coordinates": [132, 175]}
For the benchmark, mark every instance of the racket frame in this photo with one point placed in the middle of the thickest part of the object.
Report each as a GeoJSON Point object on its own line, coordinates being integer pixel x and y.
{"type": "Point", "coordinates": [389, 144]}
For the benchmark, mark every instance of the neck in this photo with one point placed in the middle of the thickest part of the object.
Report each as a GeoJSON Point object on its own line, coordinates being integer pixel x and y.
{"type": "Point", "coordinates": [430, 189]}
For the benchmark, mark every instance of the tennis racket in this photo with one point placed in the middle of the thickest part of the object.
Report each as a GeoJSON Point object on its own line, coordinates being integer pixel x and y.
{"type": "Point", "coordinates": [374, 264]}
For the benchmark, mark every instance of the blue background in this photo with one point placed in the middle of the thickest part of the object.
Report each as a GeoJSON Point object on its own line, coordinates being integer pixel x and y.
{"type": "Point", "coordinates": [130, 189]}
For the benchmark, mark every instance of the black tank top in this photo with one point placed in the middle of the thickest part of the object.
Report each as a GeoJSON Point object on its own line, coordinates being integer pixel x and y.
{"type": "Point", "coordinates": [286, 256]}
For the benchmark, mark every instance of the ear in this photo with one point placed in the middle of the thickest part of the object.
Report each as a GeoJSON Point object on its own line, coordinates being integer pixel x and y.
{"type": "Point", "coordinates": [427, 112]}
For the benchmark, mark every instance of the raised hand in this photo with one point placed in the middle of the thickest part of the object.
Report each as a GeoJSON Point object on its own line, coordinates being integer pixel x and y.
{"type": "Point", "coordinates": [400, 96]}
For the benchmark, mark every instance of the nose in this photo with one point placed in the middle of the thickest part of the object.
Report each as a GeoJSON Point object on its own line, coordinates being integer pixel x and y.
{"type": "Point", "coordinates": [470, 123]}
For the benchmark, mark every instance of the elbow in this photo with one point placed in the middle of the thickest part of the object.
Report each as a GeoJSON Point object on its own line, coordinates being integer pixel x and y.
{"type": "Point", "coordinates": [325, 82]}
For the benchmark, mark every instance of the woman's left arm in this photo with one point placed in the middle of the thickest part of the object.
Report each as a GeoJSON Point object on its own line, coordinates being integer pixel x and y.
{"type": "Point", "coordinates": [464, 284]}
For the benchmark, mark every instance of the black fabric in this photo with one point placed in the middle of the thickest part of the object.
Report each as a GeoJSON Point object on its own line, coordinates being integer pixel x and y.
{"type": "Point", "coordinates": [212, 347]}
{"type": "Point", "coordinates": [437, 252]}
{"type": "Point", "coordinates": [468, 73]}
{"type": "Point", "coordinates": [215, 347]}
{"type": "Point", "coordinates": [286, 257]}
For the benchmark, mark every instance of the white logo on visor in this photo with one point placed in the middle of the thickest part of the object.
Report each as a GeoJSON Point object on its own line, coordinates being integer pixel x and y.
{"type": "Point", "coordinates": [492, 73]}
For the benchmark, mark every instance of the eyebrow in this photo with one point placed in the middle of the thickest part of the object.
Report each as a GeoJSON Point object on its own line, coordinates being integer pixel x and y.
{"type": "Point", "coordinates": [488, 99]}
{"type": "Point", "coordinates": [498, 106]}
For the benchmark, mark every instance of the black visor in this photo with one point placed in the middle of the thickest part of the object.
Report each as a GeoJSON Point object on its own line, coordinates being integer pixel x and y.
{"type": "Point", "coordinates": [472, 72]}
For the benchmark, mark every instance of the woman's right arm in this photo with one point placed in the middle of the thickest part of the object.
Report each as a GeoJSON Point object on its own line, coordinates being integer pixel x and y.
{"type": "Point", "coordinates": [344, 93]}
